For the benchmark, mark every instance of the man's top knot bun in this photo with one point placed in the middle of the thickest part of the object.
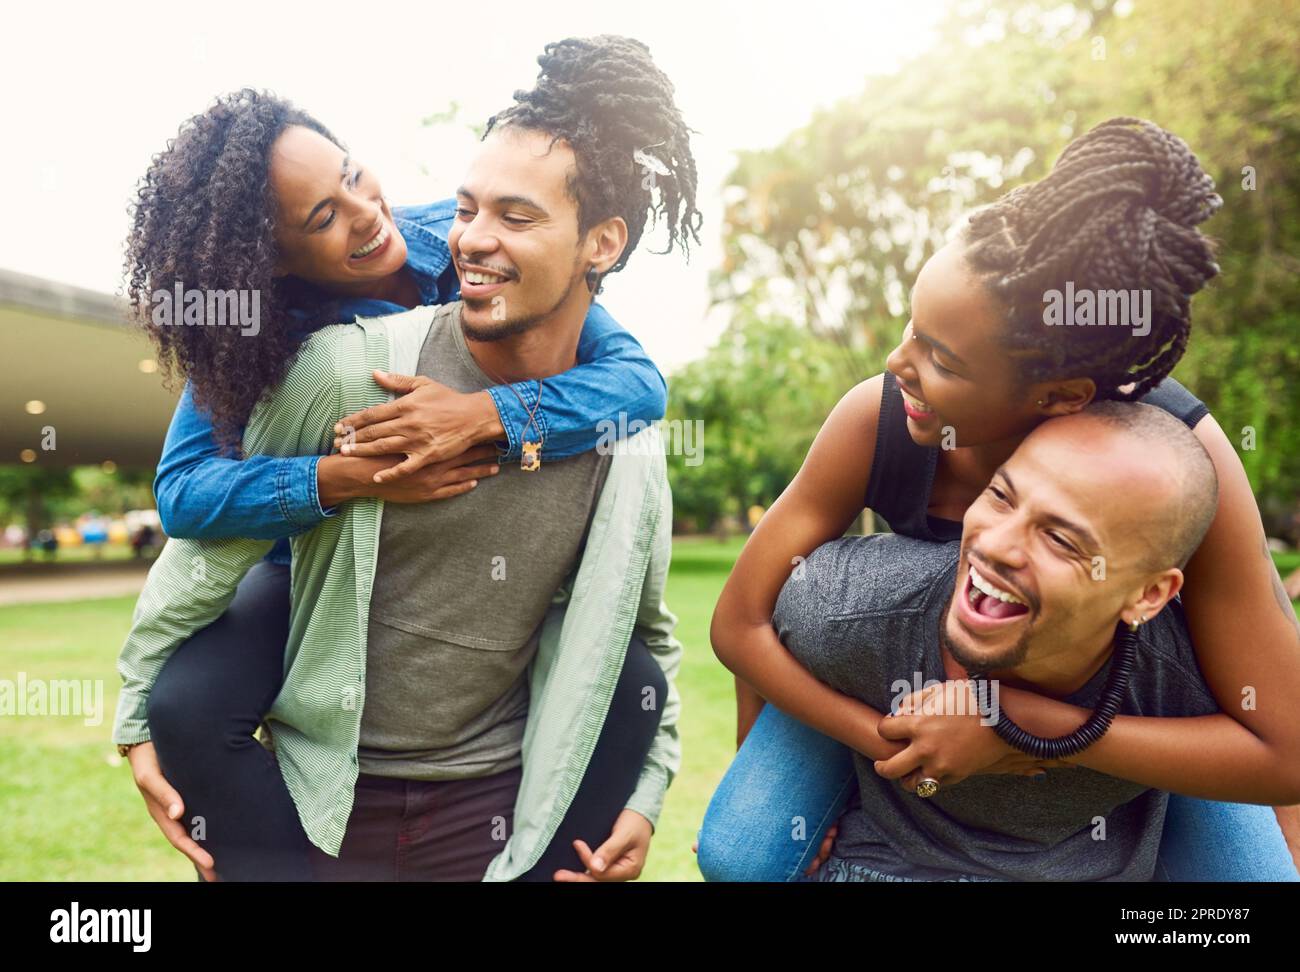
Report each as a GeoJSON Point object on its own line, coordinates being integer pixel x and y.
{"type": "Point", "coordinates": [606, 97]}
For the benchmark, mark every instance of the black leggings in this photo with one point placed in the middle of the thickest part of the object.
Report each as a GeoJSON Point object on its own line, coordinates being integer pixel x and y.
{"type": "Point", "coordinates": [213, 692]}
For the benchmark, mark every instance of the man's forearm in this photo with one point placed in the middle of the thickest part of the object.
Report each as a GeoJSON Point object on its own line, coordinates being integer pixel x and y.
{"type": "Point", "coordinates": [191, 584]}
{"type": "Point", "coordinates": [655, 625]}
{"type": "Point", "coordinates": [1212, 757]}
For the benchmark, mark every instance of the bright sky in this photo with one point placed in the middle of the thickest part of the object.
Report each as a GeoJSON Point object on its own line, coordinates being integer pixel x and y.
{"type": "Point", "coordinates": [92, 93]}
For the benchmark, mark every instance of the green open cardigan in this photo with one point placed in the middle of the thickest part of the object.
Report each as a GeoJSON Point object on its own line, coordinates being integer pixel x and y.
{"type": "Point", "coordinates": [616, 591]}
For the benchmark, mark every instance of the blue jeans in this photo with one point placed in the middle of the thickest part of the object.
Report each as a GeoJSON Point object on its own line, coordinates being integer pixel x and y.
{"type": "Point", "coordinates": [798, 781]}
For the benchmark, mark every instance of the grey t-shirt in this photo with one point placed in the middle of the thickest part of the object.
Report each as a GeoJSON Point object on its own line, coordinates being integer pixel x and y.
{"type": "Point", "coordinates": [863, 613]}
{"type": "Point", "coordinates": [461, 589]}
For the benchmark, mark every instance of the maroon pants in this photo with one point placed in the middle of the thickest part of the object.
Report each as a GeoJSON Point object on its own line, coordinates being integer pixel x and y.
{"type": "Point", "coordinates": [416, 830]}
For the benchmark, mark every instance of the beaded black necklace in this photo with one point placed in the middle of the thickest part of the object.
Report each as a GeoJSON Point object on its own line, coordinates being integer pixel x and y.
{"type": "Point", "coordinates": [1121, 667]}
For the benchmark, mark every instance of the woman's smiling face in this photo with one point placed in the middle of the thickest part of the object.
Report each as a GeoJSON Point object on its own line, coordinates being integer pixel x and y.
{"type": "Point", "coordinates": [333, 227]}
{"type": "Point", "coordinates": [951, 367]}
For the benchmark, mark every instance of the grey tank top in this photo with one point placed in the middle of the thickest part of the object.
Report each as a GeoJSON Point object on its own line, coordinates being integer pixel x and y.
{"type": "Point", "coordinates": [461, 589]}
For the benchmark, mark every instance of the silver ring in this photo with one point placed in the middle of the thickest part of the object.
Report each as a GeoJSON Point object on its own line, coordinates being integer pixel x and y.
{"type": "Point", "coordinates": [928, 787]}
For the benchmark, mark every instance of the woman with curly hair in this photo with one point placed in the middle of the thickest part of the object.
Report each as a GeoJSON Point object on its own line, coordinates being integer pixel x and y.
{"type": "Point", "coordinates": [258, 199]}
{"type": "Point", "coordinates": [978, 367]}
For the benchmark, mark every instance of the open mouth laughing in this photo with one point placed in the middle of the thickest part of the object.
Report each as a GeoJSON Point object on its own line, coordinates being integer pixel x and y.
{"type": "Point", "coordinates": [985, 607]}
{"type": "Point", "coordinates": [915, 408]}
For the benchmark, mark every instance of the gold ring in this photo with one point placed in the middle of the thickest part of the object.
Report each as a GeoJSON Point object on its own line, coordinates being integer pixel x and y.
{"type": "Point", "coordinates": [928, 787]}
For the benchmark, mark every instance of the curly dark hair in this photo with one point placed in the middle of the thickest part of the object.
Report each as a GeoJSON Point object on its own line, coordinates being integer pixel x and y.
{"type": "Point", "coordinates": [1118, 211]}
{"type": "Point", "coordinates": [203, 217]}
{"type": "Point", "coordinates": [605, 97]}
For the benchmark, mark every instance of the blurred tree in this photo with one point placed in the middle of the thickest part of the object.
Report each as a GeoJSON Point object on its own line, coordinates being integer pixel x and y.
{"type": "Point", "coordinates": [26, 491]}
{"type": "Point", "coordinates": [829, 229]}
{"type": "Point", "coordinates": [761, 393]}
{"type": "Point", "coordinates": [111, 493]}
{"type": "Point", "coordinates": [39, 497]}
{"type": "Point", "coordinates": [1227, 78]}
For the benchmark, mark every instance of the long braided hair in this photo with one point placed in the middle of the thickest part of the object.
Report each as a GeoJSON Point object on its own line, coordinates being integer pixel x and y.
{"type": "Point", "coordinates": [1118, 211]}
{"type": "Point", "coordinates": [605, 97]}
{"type": "Point", "coordinates": [204, 217]}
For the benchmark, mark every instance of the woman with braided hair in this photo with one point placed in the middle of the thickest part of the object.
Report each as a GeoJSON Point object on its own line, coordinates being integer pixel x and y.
{"type": "Point", "coordinates": [1119, 209]}
{"type": "Point", "coordinates": [978, 367]}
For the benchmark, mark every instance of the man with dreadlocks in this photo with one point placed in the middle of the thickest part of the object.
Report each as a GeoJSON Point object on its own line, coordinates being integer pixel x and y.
{"type": "Point", "coordinates": [451, 666]}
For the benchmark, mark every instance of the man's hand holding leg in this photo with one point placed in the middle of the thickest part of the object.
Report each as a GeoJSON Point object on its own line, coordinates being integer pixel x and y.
{"type": "Point", "coordinates": [166, 807]}
{"type": "Point", "coordinates": [620, 858]}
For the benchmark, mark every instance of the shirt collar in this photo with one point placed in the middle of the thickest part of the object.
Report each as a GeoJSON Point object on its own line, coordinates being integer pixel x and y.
{"type": "Point", "coordinates": [427, 257]}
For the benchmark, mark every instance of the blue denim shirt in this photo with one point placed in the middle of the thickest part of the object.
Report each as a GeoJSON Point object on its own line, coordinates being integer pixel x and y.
{"type": "Point", "coordinates": [203, 494]}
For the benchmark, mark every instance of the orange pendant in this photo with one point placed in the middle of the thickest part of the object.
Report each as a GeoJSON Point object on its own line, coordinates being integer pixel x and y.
{"type": "Point", "coordinates": [531, 459]}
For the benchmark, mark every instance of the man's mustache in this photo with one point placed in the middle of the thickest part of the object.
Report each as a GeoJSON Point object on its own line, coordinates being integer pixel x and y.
{"type": "Point", "coordinates": [468, 264]}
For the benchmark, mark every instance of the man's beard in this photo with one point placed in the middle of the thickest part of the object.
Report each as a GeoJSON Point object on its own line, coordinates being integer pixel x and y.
{"type": "Point", "coordinates": [1010, 658]}
{"type": "Point", "coordinates": [510, 328]}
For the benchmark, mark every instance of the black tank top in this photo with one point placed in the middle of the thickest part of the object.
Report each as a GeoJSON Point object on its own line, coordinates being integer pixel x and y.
{"type": "Point", "coordinates": [902, 472]}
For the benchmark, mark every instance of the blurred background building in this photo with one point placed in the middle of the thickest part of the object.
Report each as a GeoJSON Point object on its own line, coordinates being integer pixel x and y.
{"type": "Point", "coordinates": [84, 415]}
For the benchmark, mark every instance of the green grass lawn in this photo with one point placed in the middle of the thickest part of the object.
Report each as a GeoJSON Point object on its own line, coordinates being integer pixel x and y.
{"type": "Point", "coordinates": [69, 810]}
